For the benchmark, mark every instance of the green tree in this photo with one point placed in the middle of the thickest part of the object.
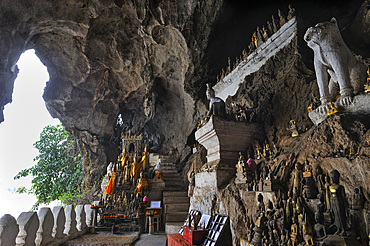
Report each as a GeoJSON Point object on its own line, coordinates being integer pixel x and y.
{"type": "Point", "coordinates": [58, 173]}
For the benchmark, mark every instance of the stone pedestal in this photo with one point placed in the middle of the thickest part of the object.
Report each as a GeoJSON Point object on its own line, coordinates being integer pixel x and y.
{"type": "Point", "coordinates": [359, 105]}
{"type": "Point", "coordinates": [225, 139]}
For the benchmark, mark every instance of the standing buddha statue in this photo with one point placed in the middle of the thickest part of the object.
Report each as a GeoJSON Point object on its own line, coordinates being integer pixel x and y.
{"type": "Point", "coordinates": [338, 203]}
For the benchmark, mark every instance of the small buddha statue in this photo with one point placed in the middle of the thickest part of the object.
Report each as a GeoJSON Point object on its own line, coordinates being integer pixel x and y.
{"type": "Point", "coordinates": [293, 128]}
{"type": "Point", "coordinates": [309, 189]}
{"type": "Point", "coordinates": [319, 228]}
{"type": "Point", "coordinates": [259, 229]}
{"type": "Point", "coordinates": [357, 199]}
{"type": "Point", "coordinates": [319, 178]}
{"type": "Point", "coordinates": [259, 37]}
{"type": "Point", "coordinates": [332, 108]}
{"type": "Point", "coordinates": [338, 203]}
{"type": "Point", "coordinates": [327, 213]}
{"type": "Point", "coordinates": [291, 12]}
{"type": "Point", "coordinates": [270, 30]}
{"type": "Point", "coordinates": [145, 159]}
{"type": "Point", "coordinates": [260, 203]}
{"type": "Point", "coordinates": [258, 152]}
{"type": "Point", "coordinates": [255, 39]}
{"type": "Point", "coordinates": [367, 84]}
{"type": "Point", "coordinates": [275, 27]}
{"type": "Point", "coordinates": [282, 18]}
{"type": "Point", "coordinates": [307, 232]}
{"type": "Point", "coordinates": [216, 104]}
{"type": "Point", "coordinates": [141, 184]}
{"type": "Point", "coordinates": [297, 180]}
{"type": "Point", "coordinates": [294, 231]}
{"type": "Point", "coordinates": [264, 33]}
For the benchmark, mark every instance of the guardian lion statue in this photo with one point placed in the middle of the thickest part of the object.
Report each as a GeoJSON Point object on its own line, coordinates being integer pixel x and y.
{"type": "Point", "coordinates": [333, 58]}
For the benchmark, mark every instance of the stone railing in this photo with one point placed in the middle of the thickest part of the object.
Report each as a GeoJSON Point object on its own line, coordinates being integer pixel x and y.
{"type": "Point", "coordinates": [47, 226]}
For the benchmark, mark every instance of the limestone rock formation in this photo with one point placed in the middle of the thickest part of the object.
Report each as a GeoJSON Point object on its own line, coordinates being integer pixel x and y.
{"type": "Point", "coordinates": [113, 57]}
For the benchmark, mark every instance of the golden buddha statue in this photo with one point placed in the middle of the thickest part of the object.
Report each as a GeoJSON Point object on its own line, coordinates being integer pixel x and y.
{"type": "Point", "coordinates": [258, 154]}
{"type": "Point", "coordinates": [294, 231]}
{"type": "Point", "coordinates": [145, 159]}
{"type": "Point", "coordinates": [255, 39]}
{"type": "Point", "coordinates": [123, 159]}
{"type": "Point", "coordinates": [141, 184]}
{"type": "Point", "coordinates": [332, 108]}
{"type": "Point", "coordinates": [240, 165]}
{"type": "Point", "coordinates": [367, 84]}
{"type": "Point", "coordinates": [293, 128]}
{"type": "Point", "coordinates": [308, 170]}
{"type": "Point", "coordinates": [307, 232]}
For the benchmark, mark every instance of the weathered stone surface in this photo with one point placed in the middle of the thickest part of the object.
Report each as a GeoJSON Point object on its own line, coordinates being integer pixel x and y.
{"type": "Point", "coordinates": [337, 70]}
{"type": "Point", "coordinates": [59, 222]}
{"type": "Point", "coordinates": [8, 230]}
{"type": "Point", "coordinates": [28, 225]}
{"type": "Point", "coordinates": [80, 218]}
{"type": "Point", "coordinates": [71, 223]}
{"type": "Point", "coordinates": [107, 58]}
{"type": "Point", "coordinates": [44, 233]}
{"type": "Point", "coordinates": [359, 105]}
{"type": "Point", "coordinates": [224, 139]}
{"type": "Point", "coordinates": [90, 215]}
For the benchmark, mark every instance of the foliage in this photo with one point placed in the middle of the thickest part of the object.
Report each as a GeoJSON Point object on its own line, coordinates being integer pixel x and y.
{"type": "Point", "coordinates": [58, 173]}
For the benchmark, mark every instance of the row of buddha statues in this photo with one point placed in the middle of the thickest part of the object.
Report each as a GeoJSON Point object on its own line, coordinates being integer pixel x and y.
{"type": "Point", "coordinates": [309, 205]}
{"type": "Point", "coordinates": [127, 185]}
{"type": "Point", "coordinates": [258, 38]}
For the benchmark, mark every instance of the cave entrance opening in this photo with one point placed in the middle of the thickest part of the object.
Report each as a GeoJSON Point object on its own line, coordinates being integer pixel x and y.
{"type": "Point", "coordinates": [25, 118]}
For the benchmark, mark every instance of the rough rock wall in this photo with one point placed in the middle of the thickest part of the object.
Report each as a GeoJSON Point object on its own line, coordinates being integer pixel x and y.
{"type": "Point", "coordinates": [107, 58]}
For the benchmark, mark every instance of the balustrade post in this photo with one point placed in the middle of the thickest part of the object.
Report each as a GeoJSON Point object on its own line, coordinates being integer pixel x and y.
{"type": "Point", "coordinates": [8, 230]}
{"type": "Point", "coordinates": [28, 225]}
{"type": "Point", "coordinates": [80, 218]}
{"type": "Point", "coordinates": [59, 222]}
{"type": "Point", "coordinates": [44, 233]}
{"type": "Point", "coordinates": [70, 226]}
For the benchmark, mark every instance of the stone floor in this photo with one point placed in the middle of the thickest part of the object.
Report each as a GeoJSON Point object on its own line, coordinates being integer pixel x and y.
{"type": "Point", "coordinates": [101, 239]}
{"type": "Point", "coordinates": [157, 239]}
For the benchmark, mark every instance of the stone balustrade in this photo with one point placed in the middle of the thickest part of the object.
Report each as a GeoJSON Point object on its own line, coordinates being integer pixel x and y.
{"type": "Point", "coordinates": [47, 227]}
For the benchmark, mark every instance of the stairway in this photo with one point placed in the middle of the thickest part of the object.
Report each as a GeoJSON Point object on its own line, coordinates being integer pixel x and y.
{"type": "Point", "coordinates": [176, 207]}
{"type": "Point", "coordinates": [172, 178]}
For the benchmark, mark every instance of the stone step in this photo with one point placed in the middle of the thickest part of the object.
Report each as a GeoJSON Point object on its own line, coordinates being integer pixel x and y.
{"type": "Point", "coordinates": [173, 183]}
{"type": "Point", "coordinates": [174, 188]}
{"type": "Point", "coordinates": [175, 194]}
{"type": "Point", "coordinates": [172, 178]}
{"type": "Point", "coordinates": [176, 200]}
{"type": "Point", "coordinates": [173, 227]}
{"type": "Point", "coordinates": [169, 167]}
{"type": "Point", "coordinates": [170, 208]}
{"type": "Point", "coordinates": [176, 217]}
{"type": "Point", "coordinates": [171, 172]}
{"type": "Point", "coordinates": [167, 164]}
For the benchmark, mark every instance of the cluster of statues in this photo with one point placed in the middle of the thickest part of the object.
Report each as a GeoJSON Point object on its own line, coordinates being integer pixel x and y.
{"type": "Point", "coordinates": [125, 185]}
{"type": "Point", "coordinates": [310, 205]}
{"type": "Point", "coordinates": [261, 35]}
{"type": "Point", "coordinates": [258, 38]}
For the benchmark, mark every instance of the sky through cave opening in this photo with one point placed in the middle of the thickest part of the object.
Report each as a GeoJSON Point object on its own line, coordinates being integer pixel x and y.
{"type": "Point", "coordinates": [24, 117]}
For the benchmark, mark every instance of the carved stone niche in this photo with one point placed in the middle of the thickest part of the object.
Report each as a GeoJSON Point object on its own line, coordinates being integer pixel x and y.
{"type": "Point", "coordinates": [224, 140]}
